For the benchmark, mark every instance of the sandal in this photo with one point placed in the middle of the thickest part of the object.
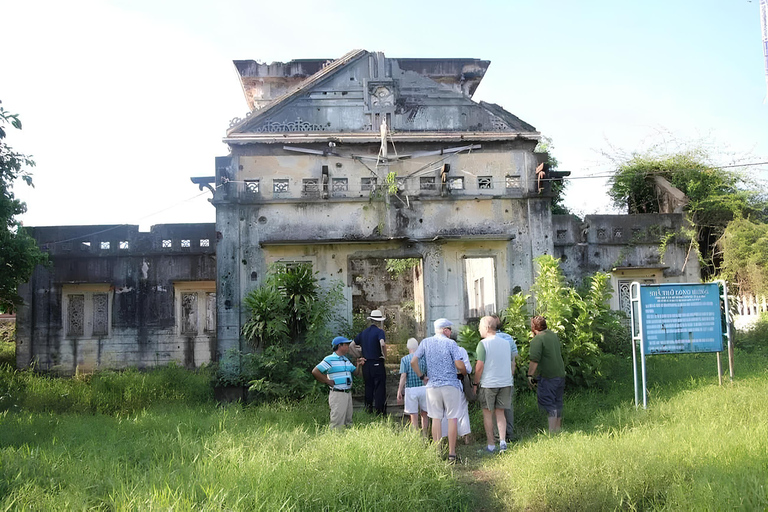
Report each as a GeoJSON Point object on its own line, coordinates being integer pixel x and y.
{"type": "Point", "coordinates": [452, 459]}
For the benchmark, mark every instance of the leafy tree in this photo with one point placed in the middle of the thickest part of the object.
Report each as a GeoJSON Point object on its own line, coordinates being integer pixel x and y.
{"type": "Point", "coordinates": [716, 195]}
{"type": "Point", "coordinates": [19, 253]}
{"type": "Point", "coordinates": [744, 247]}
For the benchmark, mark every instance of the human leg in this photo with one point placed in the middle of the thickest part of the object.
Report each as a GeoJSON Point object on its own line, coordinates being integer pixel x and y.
{"type": "Point", "coordinates": [488, 425]}
{"type": "Point", "coordinates": [349, 409]}
{"type": "Point", "coordinates": [501, 423]}
{"type": "Point", "coordinates": [424, 423]}
{"type": "Point", "coordinates": [338, 409]}
{"type": "Point", "coordinates": [509, 416]}
{"type": "Point", "coordinates": [451, 397]}
{"type": "Point", "coordinates": [435, 409]}
{"type": "Point", "coordinates": [379, 387]}
{"type": "Point", "coordinates": [452, 436]}
{"type": "Point", "coordinates": [368, 379]}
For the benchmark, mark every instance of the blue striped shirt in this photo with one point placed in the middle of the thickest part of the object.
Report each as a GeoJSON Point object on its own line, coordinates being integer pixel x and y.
{"type": "Point", "coordinates": [339, 369]}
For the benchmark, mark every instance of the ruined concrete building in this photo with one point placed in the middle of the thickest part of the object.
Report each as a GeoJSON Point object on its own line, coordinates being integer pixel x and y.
{"type": "Point", "coordinates": [342, 164]}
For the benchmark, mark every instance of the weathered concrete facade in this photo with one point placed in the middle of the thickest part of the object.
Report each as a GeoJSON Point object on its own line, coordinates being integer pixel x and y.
{"type": "Point", "coordinates": [114, 297]}
{"type": "Point", "coordinates": [372, 157]}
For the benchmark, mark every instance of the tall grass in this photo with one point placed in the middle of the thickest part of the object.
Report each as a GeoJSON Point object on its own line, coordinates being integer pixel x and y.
{"type": "Point", "coordinates": [273, 457]}
{"type": "Point", "coordinates": [104, 392]}
{"type": "Point", "coordinates": [699, 446]}
{"type": "Point", "coordinates": [157, 441]}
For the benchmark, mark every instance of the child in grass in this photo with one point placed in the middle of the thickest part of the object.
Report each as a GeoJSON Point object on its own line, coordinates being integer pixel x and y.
{"type": "Point", "coordinates": [336, 371]}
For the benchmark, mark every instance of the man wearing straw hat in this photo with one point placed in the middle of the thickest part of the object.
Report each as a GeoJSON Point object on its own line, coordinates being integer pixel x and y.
{"type": "Point", "coordinates": [374, 350]}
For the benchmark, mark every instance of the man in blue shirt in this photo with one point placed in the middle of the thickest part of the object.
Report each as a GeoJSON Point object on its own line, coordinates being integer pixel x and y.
{"type": "Point", "coordinates": [372, 343]}
{"type": "Point", "coordinates": [443, 388]}
{"type": "Point", "coordinates": [336, 371]}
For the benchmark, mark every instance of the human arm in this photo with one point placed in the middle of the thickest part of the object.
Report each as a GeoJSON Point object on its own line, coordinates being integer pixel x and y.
{"type": "Point", "coordinates": [531, 372]}
{"type": "Point", "coordinates": [479, 367]}
{"type": "Point", "coordinates": [415, 366]}
{"type": "Point", "coordinates": [401, 388]}
{"type": "Point", "coordinates": [321, 378]}
{"type": "Point", "coordinates": [514, 358]}
{"type": "Point", "coordinates": [383, 348]}
{"type": "Point", "coordinates": [359, 362]}
{"type": "Point", "coordinates": [479, 363]}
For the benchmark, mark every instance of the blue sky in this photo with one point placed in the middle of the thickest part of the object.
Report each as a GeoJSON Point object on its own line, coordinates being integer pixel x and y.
{"type": "Point", "coordinates": [123, 101]}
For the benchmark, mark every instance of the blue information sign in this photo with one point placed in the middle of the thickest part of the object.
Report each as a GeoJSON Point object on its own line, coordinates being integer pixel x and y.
{"type": "Point", "coordinates": [681, 318]}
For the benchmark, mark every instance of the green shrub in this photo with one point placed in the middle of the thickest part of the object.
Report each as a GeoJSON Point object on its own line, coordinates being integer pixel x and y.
{"type": "Point", "coordinates": [582, 321]}
{"type": "Point", "coordinates": [292, 322]}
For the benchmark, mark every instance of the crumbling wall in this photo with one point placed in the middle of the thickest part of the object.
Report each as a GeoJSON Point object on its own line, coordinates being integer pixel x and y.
{"type": "Point", "coordinates": [112, 298]}
{"type": "Point", "coordinates": [604, 242]}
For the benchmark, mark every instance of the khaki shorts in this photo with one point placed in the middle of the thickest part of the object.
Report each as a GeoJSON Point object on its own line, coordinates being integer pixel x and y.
{"type": "Point", "coordinates": [444, 401]}
{"type": "Point", "coordinates": [495, 398]}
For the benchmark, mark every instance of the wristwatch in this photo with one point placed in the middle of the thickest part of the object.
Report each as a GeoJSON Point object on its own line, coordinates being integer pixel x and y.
{"type": "Point", "coordinates": [422, 376]}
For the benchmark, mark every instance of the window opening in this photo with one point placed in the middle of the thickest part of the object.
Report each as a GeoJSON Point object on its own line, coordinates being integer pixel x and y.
{"type": "Point", "coordinates": [252, 186]}
{"type": "Point", "coordinates": [279, 186]}
{"type": "Point", "coordinates": [124, 244]}
{"type": "Point", "coordinates": [484, 182]}
{"type": "Point", "coordinates": [367, 183]}
{"type": "Point", "coordinates": [167, 244]}
{"type": "Point", "coordinates": [104, 245]}
{"type": "Point", "coordinates": [340, 184]}
{"type": "Point", "coordinates": [512, 181]}
{"type": "Point", "coordinates": [76, 315]}
{"type": "Point", "coordinates": [100, 314]}
{"type": "Point", "coordinates": [205, 242]}
{"type": "Point", "coordinates": [479, 281]}
{"type": "Point", "coordinates": [185, 243]}
{"type": "Point", "coordinates": [427, 183]}
{"type": "Point", "coordinates": [456, 183]}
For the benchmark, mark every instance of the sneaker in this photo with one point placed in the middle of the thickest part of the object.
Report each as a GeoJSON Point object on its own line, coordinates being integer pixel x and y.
{"type": "Point", "coordinates": [452, 460]}
{"type": "Point", "coordinates": [486, 451]}
{"type": "Point", "coordinates": [502, 447]}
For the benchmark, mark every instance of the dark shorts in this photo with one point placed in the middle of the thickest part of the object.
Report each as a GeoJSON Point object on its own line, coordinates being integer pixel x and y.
{"type": "Point", "coordinates": [550, 395]}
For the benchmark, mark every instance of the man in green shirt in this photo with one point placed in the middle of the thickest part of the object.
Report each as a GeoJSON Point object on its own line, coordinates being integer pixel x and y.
{"type": "Point", "coordinates": [547, 361]}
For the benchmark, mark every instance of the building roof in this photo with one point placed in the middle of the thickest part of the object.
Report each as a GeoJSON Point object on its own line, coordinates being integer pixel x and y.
{"type": "Point", "coordinates": [347, 99]}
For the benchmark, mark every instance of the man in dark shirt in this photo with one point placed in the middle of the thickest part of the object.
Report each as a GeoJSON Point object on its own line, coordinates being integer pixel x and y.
{"type": "Point", "coordinates": [547, 361]}
{"type": "Point", "coordinates": [374, 349]}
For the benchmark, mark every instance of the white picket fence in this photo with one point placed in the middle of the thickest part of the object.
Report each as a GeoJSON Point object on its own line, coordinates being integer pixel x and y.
{"type": "Point", "coordinates": [749, 308]}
